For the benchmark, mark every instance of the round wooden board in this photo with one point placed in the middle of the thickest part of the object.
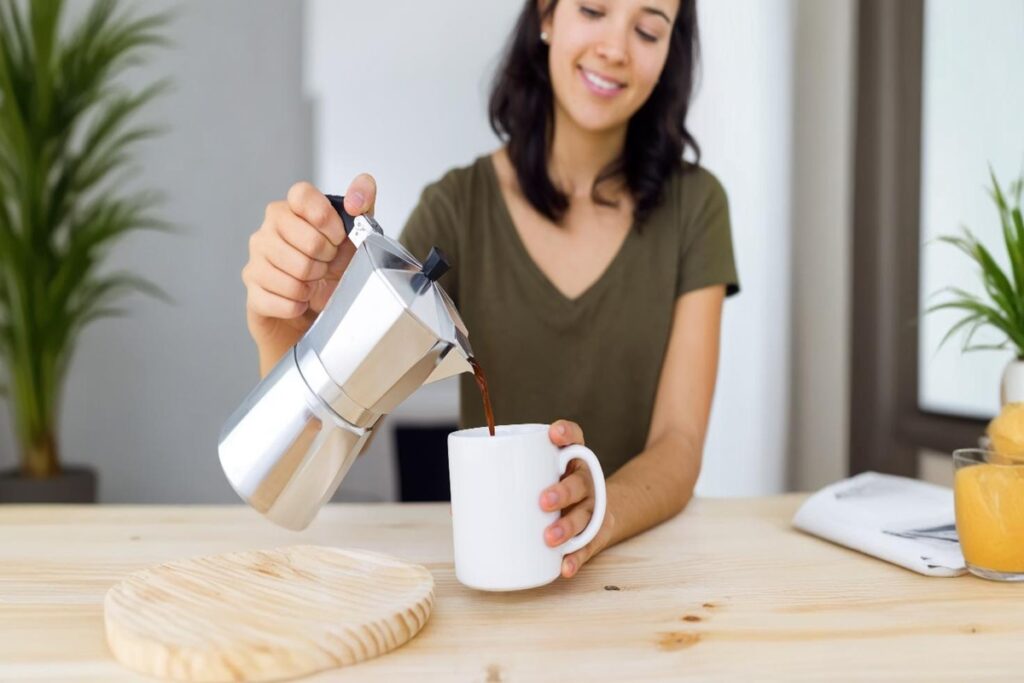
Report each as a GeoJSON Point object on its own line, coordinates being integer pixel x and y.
{"type": "Point", "coordinates": [265, 614]}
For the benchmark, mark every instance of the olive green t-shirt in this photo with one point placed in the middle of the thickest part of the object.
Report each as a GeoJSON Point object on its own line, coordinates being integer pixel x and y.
{"type": "Point", "coordinates": [595, 359]}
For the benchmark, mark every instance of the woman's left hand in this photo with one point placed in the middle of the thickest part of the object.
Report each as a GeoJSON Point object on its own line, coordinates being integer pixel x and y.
{"type": "Point", "coordinates": [574, 497]}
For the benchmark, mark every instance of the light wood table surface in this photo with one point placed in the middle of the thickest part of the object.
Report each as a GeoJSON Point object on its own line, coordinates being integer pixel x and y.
{"type": "Point", "coordinates": [725, 591]}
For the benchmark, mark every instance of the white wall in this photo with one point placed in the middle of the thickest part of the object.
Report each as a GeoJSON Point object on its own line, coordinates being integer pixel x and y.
{"type": "Point", "coordinates": [823, 130]}
{"type": "Point", "coordinates": [742, 120]}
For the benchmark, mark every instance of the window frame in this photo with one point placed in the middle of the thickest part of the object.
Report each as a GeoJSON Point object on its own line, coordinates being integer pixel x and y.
{"type": "Point", "coordinates": [887, 426]}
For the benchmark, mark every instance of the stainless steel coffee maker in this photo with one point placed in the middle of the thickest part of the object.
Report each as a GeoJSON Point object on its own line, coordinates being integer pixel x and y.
{"type": "Point", "coordinates": [388, 328]}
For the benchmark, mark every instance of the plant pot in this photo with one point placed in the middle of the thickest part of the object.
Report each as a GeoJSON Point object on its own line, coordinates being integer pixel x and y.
{"type": "Point", "coordinates": [72, 485]}
{"type": "Point", "coordinates": [1012, 386]}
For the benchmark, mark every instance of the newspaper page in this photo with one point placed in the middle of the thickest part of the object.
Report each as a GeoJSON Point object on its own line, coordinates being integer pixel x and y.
{"type": "Point", "coordinates": [905, 521]}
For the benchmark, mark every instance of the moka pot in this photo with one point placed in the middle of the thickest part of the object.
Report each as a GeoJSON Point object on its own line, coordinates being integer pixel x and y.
{"type": "Point", "coordinates": [387, 329]}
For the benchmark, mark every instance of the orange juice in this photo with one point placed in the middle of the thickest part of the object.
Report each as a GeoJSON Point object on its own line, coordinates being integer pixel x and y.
{"type": "Point", "coordinates": [990, 516]}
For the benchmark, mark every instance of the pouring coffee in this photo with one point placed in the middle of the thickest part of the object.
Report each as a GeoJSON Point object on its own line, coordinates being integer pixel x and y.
{"type": "Point", "coordinates": [387, 329]}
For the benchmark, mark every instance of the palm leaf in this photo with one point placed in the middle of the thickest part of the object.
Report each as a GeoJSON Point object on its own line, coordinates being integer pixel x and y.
{"type": "Point", "coordinates": [104, 148]}
{"type": "Point", "coordinates": [102, 222]}
{"type": "Point", "coordinates": [973, 319]}
{"type": "Point", "coordinates": [995, 281]}
{"type": "Point", "coordinates": [984, 347]}
{"type": "Point", "coordinates": [94, 299]}
{"type": "Point", "coordinates": [977, 325]}
{"type": "Point", "coordinates": [1018, 225]}
{"type": "Point", "coordinates": [1004, 307]}
{"type": "Point", "coordinates": [997, 284]}
{"type": "Point", "coordinates": [1013, 239]}
{"type": "Point", "coordinates": [44, 19]}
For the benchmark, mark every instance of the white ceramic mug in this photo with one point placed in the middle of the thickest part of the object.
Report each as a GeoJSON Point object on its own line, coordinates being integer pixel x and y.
{"type": "Point", "coordinates": [497, 522]}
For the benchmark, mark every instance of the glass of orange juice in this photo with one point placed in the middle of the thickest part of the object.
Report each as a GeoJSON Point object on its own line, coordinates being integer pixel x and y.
{"type": "Point", "coordinates": [988, 493]}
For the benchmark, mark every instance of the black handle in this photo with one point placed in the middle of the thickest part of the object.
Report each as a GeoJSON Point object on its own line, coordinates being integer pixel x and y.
{"type": "Point", "coordinates": [436, 264]}
{"type": "Point", "coordinates": [347, 219]}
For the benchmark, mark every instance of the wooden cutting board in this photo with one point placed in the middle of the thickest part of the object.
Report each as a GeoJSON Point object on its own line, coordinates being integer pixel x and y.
{"type": "Point", "coordinates": [266, 614]}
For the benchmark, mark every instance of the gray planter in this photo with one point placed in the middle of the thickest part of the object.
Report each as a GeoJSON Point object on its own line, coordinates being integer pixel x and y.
{"type": "Point", "coordinates": [72, 485]}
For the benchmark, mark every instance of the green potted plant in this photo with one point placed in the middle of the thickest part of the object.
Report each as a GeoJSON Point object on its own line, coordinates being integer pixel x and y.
{"type": "Point", "coordinates": [1002, 305]}
{"type": "Point", "coordinates": [66, 130]}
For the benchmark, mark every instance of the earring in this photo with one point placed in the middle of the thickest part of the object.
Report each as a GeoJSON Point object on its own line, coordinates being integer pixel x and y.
{"type": "Point", "coordinates": [544, 37]}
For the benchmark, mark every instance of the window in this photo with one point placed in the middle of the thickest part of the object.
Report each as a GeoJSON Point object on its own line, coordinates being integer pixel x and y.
{"type": "Point", "coordinates": [889, 422]}
{"type": "Point", "coordinates": [971, 114]}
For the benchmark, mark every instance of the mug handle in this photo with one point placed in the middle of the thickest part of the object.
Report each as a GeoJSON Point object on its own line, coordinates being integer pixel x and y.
{"type": "Point", "coordinates": [600, 498]}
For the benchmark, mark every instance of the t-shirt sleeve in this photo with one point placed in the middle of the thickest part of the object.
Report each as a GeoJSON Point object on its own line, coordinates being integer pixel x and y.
{"type": "Point", "coordinates": [706, 254]}
{"type": "Point", "coordinates": [433, 223]}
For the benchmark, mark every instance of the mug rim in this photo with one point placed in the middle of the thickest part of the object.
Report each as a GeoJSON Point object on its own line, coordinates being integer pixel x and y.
{"type": "Point", "coordinates": [501, 432]}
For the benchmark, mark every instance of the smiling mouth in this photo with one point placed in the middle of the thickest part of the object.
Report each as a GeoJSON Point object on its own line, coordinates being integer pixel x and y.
{"type": "Point", "coordinates": [601, 83]}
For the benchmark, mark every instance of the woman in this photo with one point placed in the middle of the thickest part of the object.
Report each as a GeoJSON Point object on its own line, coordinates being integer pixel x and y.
{"type": "Point", "coordinates": [590, 262]}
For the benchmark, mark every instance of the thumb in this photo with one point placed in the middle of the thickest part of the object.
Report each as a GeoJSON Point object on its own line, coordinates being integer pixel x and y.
{"type": "Point", "coordinates": [565, 433]}
{"type": "Point", "coordinates": [361, 195]}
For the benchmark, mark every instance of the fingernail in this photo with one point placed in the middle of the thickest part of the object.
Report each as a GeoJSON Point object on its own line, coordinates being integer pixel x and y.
{"type": "Point", "coordinates": [556, 533]}
{"type": "Point", "coordinates": [560, 429]}
{"type": "Point", "coordinates": [359, 199]}
{"type": "Point", "coordinates": [551, 499]}
{"type": "Point", "coordinates": [570, 566]}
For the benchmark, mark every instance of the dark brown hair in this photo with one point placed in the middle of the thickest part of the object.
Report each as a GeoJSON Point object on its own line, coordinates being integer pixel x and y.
{"type": "Point", "coordinates": [522, 114]}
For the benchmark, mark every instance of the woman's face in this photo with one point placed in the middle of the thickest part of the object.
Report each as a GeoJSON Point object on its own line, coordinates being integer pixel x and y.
{"type": "Point", "coordinates": [606, 56]}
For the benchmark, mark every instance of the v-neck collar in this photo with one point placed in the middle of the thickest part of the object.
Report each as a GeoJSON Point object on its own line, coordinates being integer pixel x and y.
{"type": "Point", "coordinates": [544, 284]}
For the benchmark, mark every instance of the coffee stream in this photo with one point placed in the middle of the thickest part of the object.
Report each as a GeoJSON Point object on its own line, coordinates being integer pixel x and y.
{"type": "Point", "coordinates": [481, 381]}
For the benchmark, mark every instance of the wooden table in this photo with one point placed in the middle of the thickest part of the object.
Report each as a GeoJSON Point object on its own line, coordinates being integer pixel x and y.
{"type": "Point", "coordinates": [724, 591]}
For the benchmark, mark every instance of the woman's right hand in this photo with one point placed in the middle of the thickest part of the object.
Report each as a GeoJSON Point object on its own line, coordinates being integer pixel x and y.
{"type": "Point", "coordinates": [296, 259]}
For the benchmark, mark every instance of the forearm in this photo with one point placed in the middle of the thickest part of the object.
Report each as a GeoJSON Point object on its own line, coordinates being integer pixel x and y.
{"type": "Point", "coordinates": [653, 486]}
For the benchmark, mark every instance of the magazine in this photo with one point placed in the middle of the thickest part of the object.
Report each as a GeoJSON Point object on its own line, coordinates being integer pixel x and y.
{"type": "Point", "coordinates": [905, 521]}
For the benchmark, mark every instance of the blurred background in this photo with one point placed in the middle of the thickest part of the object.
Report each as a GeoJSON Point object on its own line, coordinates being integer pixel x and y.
{"type": "Point", "coordinates": [847, 135]}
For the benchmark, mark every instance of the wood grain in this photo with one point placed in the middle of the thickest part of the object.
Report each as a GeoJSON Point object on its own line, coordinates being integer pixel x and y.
{"type": "Point", "coordinates": [725, 591]}
{"type": "Point", "coordinates": [266, 614]}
